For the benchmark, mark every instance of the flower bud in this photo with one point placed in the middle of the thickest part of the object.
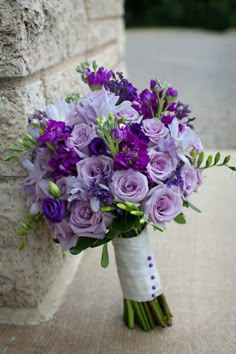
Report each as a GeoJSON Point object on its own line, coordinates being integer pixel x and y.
{"type": "Point", "coordinates": [54, 190]}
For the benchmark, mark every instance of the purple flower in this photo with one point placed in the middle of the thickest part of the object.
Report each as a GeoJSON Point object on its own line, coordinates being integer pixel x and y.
{"type": "Point", "coordinates": [55, 133]}
{"type": "Point", "coordinates": [129, 186]}
{"type": "Point", "coordinates": [133, 151]}
{"type": "Point", "coordinates": [167, 119]}
{"type": "Point", "coordinates": [123, 88]}
{"type": "Point", "coordinates": [82, 134]}
{"type": "Point", "coordinates": [148, 103]}
{"type": "Point", "coordinates": [162, 204]}
{"type": "Point", "coordinates": [60, 111]}
{"type": "Point", "coordinates": [98, 147]}
{"type": "Point", "coordinates": [171, 92]}
{"type": "Point", "coordinates": [93, 169]}
{"type": "Point", "coordinates": [155, 130]}
{"type": "Point", "coordinates": [181, 110]}
{"type": "Point", "coordinates": [161, 165]}
{"type": "Point", "coordinates": [85, 222]}
{"type": "Point", "coordinates": [64, 234]}
{"type": "Point", "coordinates": [135, 128]}
{"type": "Point", "coordinates": [190, 180]}
{"type": "Point", "coordinates": [54, 210]}
{"type": "Point", "coordinates": [64, 162]}
{"type": "Point", "coordinates": [130, 114]}
{"type": "Point", "coordinates": [65, 185]}
{"type": "Point", "coordinates": [97, 79]}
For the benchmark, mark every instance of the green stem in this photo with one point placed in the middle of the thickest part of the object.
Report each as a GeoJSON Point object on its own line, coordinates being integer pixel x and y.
{"type": "Point", "coordinates": [130, 314]}
{"type": "Point", "coordinates": [149, 315]}
{"type": "Point", "coordinates": [139, 315]}
{"type": "Point", "coordinates": [145, 318]}
{"type": "Point", "coordinates": [157, 313]}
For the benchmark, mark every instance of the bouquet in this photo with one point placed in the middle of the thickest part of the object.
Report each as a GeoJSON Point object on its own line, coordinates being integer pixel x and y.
{"type": "Point", "coordinates": [103, 166]}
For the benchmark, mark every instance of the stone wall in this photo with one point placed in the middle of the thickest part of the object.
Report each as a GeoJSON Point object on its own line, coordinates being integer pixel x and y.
{"type": "Point", "coordinates": [41, 43]}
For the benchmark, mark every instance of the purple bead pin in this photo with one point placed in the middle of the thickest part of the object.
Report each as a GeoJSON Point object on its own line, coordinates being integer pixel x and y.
{"type": "Point", "coordinates": [153, 277]}
{"type": "Point", "coordinates": [149, 258]}
{"type": "Point", "coordinates": [150, 265]}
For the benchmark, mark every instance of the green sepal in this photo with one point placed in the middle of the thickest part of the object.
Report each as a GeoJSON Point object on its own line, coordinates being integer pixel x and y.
{"type": "Point", "coordinates": [200, 158]}
{"type": "Point", "coordinates": [187, 204]}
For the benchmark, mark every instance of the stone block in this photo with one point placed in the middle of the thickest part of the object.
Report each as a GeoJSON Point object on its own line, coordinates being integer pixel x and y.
{"type": "Point", "coordinates": [104, 8]}
{"type": "Point", "coordinates": [16, 104]}
{"type": "Point", "coordinates": [103, 31]}
{"type": "Point", "coordinates": [25, 275]}
{"type": "Point", "coordinates": [38, 34]}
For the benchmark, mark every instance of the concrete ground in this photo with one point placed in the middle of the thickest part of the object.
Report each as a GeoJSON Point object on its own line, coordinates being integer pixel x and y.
{"type": "Point", "coordinates": [196, 261]}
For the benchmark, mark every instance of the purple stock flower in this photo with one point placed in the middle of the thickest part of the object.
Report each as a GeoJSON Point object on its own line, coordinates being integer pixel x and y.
{"type": "Point", "coordinates": [98, 147]}
{"type": "Point", "coordinates": [148, 103]}
{"type": "Point", "coordinates": [171, 92]}
{"type": "Point", "coordinates": [181, 110]}
{"type": "Point", "coordinates": [64, 162]}
{"type": "Point", "coordinates": [136, 129]}
{"type": "Point", "coordinates": [55, 133]}
{"type": "Point", "coordinates": [97, 79]}
{"type": "Point", "coordinates": [167, 119]}
{"type": "Point", "coordinates": [54, 210]}
{"type": "Point", "coordinates": [133, 152]}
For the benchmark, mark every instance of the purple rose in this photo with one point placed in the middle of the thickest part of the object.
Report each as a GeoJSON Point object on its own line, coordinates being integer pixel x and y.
{"type": "Point", "coordinates": [155, 130]}
{"type": "Point", "coordinates": [93, 169]}
{"type": "Point", "coordinates": [54, 210]}
{"type": "Point", "coordinates": [129, 185]}
{"type": "Point", "coordinates": [81, 136]}
{"type": "Point", "coordinates": [64, 234]}
{"type": "Point", "coordinates": [190, 180]}
{"type": "Point", "coordinates": [130, 114]}
{"type": "Point", "coordinates": [85, 222]}
{"type": "Point", "coordinates": [161, 165]}
{"type": "Point", "coordinates": [162, 204]}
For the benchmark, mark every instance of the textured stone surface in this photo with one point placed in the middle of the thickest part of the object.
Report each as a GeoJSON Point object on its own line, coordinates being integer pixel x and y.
{"type": "Point", "coordinates": [16, 103]}
{"type": "Point", "coordinates": [24, 276]}
{"type": "Point", "coordinates": [104, 8]}
{"type": "Point", "coordinates": [38, 34]}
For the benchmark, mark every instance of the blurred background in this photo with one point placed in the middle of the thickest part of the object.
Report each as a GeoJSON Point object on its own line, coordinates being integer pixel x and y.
{"type": "Point", "coordinates": [192, 45]}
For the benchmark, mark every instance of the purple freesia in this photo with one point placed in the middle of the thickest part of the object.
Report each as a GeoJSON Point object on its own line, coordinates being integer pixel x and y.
{"type": "Point", "coordinates": [129, 186]}
{"type": "Point", "coordinates": [54, 210]}
{"type": "Point", "coordinates": [163, 204]}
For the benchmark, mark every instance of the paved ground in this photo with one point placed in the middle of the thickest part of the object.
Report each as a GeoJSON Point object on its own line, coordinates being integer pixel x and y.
{"type": "Point", "coordinates": [196, 261]}
{"type": "Point", "coordinates": [197, 266]}
{"type": "Point", "coordinates": [201, 65]}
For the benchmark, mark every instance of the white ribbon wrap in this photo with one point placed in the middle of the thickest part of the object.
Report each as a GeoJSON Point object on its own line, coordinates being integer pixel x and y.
{"type": "Point", "coordinates": [136, 268]}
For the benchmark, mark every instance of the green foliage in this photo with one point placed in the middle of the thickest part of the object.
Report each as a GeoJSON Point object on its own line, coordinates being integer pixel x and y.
{"type": "Point", "coordinates": [105, 256]}
{"type": "Point", "coordinates": [180, 219]}
{"type": "Point", "coordinates": [73, 97]}
{"type": "Point", "coordinates": [27, 226]}
{"type": "Point", "coordinates": [209, 14]}
{"type": "Point", "coordinates": [26, 144]}
{"type": "Point", "coordinates": [213, 161]}
{"type": "Point", "coordinates": [187, 204]}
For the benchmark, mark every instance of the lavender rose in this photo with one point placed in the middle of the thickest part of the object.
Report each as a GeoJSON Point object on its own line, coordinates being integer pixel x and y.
{"type": "Point", "coordinates": [95, 169]}
{"type": "Point", "coordinates": [85, 222]}
{"type": "Point", "coordinates": [54, 210]}
{"type": "Point", "coordinates": [82, 135]}
{"type": "Point", "coordinates": [161, 165]}
{"type": "Point", "coordinates": [130, 114]}
{"type": "Point", "coordinates": [64, 234]}
{"type": "Point", "coordinates": [162, 204]}
{"type": "Point", "coordinates": [155, 130]}
{"type": "Point", "coordinates": [65, 185]}
{"type": "Point", "coordinates": [129, 185]}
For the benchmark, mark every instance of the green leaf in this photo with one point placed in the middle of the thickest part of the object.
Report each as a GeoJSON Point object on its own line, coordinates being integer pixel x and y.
{"type": "Point", "coordinates": [136, 212]}
{"type": "Point", "coordinates": [106, 208]}
{"type": "Point", "coordinates": [180, 219]}
{"type": "Point", "coordinates": [209, 161]}
{"type": "Point", "coordinates": [22, 245]}
{"type": "Point", "coordinates": [105, 256]}
{"type": "Point", "coordinates": [233, 168]}
{"type": "Point", "coordinates": [9, 157]}
{"type": "Point", "coordinates": [21, 233]}
{"type": "Point", "coordinates": [158, 227]}
{"type": "Point", "coordinates": [193, 207]}
{"type": "Point", "coordinates": [217, 158]}
{"type": "Point", "coordinates": [122, 206]}
{"type": "Point", "coordinates": [226, 159]}
{"type": "Point", "coordinates": [200, 158]}
{"type": "Point", "coordinates": [16, 149]}
{"type": "Point", "coordinates": [82, 244]}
